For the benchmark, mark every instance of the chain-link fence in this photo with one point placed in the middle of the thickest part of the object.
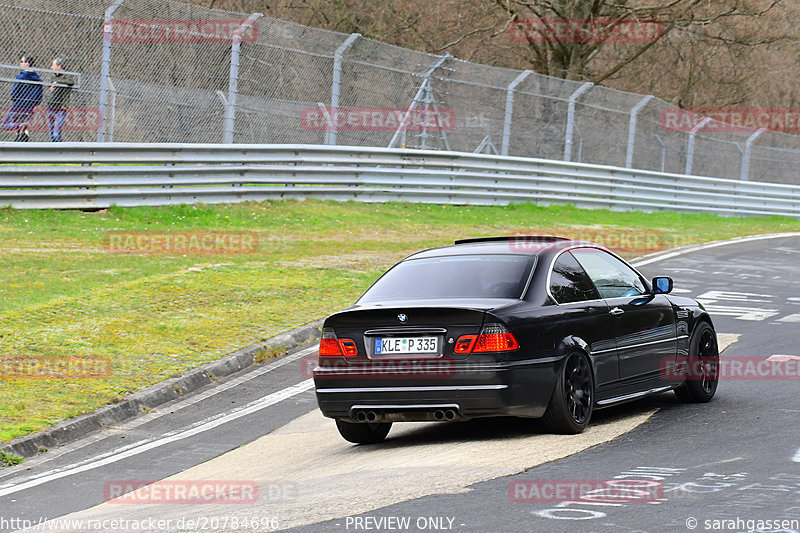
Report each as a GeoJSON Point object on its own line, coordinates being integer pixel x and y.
{"type": "Point", "coordinates": [166, 71]}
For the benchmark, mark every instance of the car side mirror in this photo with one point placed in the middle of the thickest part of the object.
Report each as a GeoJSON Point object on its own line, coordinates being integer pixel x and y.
{"type": "Point", "coordinates": [662, 285]}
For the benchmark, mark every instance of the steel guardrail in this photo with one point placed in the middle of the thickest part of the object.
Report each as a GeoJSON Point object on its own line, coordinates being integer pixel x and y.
{"type": "Point", "coordinates": [99, 175]}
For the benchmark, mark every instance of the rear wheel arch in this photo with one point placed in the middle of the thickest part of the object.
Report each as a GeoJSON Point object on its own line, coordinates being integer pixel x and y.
{"type": "Point", "coordinates": [573, 343]}
{"type": "Point", "coordinates": [559, 416]}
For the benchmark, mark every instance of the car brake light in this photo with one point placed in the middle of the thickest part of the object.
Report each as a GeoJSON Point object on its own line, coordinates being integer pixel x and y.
{"type": "Point", "coordinates": [493, 338]}
{"type": "Point", "coordinates": [329, 344]}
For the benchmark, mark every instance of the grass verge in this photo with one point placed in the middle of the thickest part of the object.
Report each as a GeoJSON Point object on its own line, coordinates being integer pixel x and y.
{"type": "Point", "coordinates": [141, 318]}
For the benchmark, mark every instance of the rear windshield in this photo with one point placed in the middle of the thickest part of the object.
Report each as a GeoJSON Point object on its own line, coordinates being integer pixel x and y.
{"type": "Point", "coordinates": [461, 276]}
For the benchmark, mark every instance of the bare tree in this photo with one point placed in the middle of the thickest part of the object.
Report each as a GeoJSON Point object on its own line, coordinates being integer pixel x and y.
{"type": "Point", "coordinates": [703, 52]}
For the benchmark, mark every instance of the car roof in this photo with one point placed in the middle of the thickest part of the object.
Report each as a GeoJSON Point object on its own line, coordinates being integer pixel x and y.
{"type": "Point", "coordinates": [513, 244]}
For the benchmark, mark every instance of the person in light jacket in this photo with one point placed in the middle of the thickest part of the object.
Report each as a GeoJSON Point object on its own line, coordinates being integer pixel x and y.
{"type": "Point", "coordinates": [58, 99]}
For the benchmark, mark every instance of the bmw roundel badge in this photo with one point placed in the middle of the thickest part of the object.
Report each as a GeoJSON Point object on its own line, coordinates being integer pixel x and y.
{"type": "Point", "coordinates": [402, 318]}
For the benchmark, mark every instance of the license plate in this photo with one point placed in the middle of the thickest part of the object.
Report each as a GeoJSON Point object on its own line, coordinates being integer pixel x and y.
{"type": "Point", "coordinates": [401, 345]}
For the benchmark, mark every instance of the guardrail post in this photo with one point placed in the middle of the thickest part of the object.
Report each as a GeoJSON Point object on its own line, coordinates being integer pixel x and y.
{"type": "Point", "coordinates": [510, 109]}
{"type": "Point", "coordinates": [632, 129]}
{"type": "Point", "coordinates": [105, 65]}
{"type": "Point", "coordinates": [337, 81]}
{"type": "Point", "coordinates": [229, 122]}
{"type": "Point", "coordinates": [690, 147]}
{"type": "Point", "coordinates": [748, 150]}
{"type": "Point", "coordinates": [571, 119]}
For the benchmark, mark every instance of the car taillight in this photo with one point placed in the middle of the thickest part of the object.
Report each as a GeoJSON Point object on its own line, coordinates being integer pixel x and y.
{"type": "Point", "coordinates": [493, 338]}
{"type": "Point", "coordinates": [329, 345]}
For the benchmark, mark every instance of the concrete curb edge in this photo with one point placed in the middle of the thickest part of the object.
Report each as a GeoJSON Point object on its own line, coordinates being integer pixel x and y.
{"type": "Point", "coordinates": [170, 389]}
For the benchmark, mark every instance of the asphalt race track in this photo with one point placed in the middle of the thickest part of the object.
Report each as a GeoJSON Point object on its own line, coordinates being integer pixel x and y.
{"type": "Point", "coordinates": [722, 466]}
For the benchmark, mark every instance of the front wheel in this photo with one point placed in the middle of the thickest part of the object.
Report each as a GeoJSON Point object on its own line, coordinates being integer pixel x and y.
{"type": "Point", "coordinates": [363, 433]}
{"type": "Point", "coordinates": [571, 405]}
{"type": "Point", "coordinates": [703, 366]}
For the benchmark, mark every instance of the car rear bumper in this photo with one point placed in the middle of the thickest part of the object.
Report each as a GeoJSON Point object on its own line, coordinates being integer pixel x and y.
{"type": "Point", "coordinates": [516, 388]}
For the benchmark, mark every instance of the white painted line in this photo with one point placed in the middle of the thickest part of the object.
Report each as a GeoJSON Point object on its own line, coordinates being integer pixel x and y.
{"type": "Point", "coordinates": [790, 318]}
{"type": "Point", "coordinates": [740, 313]}
{"type": "Point", "coordinates": [136, 449]}
{"type": "Point", "coordinates": [689, 249]}
{"type": "Point", "coordinates": [779, 357]}
{"type": "Point", "coordinates": [796, 457]}
{"type": "Point", "coordinates": [736, 296]}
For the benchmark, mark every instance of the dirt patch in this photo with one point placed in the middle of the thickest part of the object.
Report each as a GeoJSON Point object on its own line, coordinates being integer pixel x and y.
{"type": "Point", "coordinates": [359, 261]}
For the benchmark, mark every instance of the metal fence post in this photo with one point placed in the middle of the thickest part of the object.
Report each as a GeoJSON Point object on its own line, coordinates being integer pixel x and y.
{"type": "Point", "coordinates": [663, 149]}
{"type": "Point", "coordinates": [632, 129]}
{"type": "Point", "coordinates": [105, 66]}
{"type": "Point", "coordinates": [112, 114]}
{"type": "Point", "coordinates": [229, 122]}
{"type": "Point", "coordinates": [510, 109]}
{"type": "Point", "coordinates": [748, 150]}
{"type": "Point", "coordinates": [337, 81]}
{"type": "Point", "coordinates": [571, 119]}
{"type": "Point", "coordinates": [690, 148]}
{"type": "Point", "coordinates": [425, 86]}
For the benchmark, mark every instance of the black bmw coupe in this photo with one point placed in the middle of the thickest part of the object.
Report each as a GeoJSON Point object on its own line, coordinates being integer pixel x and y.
{"type": "Point", "coordinates": [518, 326]}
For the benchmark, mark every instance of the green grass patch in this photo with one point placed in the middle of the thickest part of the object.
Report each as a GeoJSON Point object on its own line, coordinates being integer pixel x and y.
{"type": "Point", "coordinates": [9, 459]}
{"type": "Point", "coordinates": [141, 318]}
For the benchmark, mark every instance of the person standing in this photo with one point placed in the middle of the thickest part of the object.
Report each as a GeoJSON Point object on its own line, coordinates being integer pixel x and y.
{"type": "Point", "coordinates": [58, 99]}
{"type": "Point", "coordinates": [26, 94]}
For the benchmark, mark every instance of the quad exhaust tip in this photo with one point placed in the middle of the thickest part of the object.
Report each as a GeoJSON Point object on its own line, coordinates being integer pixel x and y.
{"type": "Point", "coordinates": [370, 416]}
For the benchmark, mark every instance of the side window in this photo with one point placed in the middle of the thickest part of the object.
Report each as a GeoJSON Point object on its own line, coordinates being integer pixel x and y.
{"type": "Point", "coordinates": [569, 282]}
{"type": "Point", "coordinates": [612, 277]}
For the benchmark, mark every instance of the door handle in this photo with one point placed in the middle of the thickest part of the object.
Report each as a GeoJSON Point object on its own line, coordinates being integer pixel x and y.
{"type": "Point", "coordinates": [616, 311]}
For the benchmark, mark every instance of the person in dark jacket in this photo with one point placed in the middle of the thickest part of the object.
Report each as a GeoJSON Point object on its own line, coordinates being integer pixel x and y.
{"type": "Point", "coordinates": [58, 99]}
{"type": "Point", "coordinates": [26, 94]}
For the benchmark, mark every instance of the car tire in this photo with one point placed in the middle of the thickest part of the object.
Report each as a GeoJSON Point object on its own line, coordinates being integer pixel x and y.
{"type": "Point", "coordinates": [703, 366]}
{"type": "Point", "coordinates": [571, 405]}
{"type": "Point", "coordinates": [363, 433]}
